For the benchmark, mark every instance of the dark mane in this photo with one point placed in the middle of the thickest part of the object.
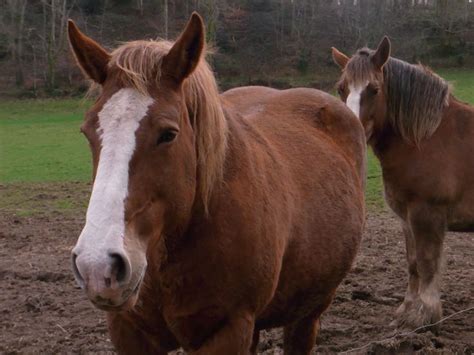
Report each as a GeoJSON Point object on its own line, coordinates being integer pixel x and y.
{"type": "Point", "coordinates": [416, 97]}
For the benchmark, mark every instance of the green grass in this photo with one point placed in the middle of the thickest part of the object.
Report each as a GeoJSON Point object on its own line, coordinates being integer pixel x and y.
{"type": "Point", "coordinates": [44, 198]}
{"type": "Point", "coordinates": [40, 145]}
{"type": "Point", "coordinates": [374, 187]}
{"type": "Point", "coordinates": [40, 141]}
{"type": "Point", "coordinates": [462, 81]}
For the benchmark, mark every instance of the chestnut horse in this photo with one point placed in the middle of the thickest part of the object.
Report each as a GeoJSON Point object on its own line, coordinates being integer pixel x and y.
{"type": "Point", "coordinates": [424, 140]}
{"type": "Point", "coordinates": [212, 216]}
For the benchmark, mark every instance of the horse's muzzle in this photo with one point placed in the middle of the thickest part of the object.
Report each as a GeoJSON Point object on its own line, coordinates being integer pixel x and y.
{"type": "Point", "coordinates": [106, 277]}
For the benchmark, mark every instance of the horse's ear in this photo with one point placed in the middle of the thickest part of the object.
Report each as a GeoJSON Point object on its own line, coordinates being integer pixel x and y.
{"type": "Point", "coordinates": [339, 58]}
{"type": "Point", "coordinates": [185, 54]}
{"type": "Point", "coordinates": [90, 56]}
{"type": "Point", "coordinates": [382, 53]}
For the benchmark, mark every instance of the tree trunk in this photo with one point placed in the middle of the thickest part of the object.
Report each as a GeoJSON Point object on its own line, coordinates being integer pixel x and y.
{"type": "Point", "coordinates": [17, 9]}
{"type": "Point", "coordinates": [165, 17]}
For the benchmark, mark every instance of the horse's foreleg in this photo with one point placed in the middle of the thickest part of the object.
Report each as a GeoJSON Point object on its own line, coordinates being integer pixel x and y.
{"type": "Point", "coordinates": [413, 279]}
{"type": "Point", "coordinates": [428, 225]}
{"type": "Point", "coordinates": [255, 340]}
{"type": "Point", "coordinates": [129, 339]}
{"type": "Point", "coordinates": [300, 337]}
{"type": "Point", "coordinates": [235, 337]}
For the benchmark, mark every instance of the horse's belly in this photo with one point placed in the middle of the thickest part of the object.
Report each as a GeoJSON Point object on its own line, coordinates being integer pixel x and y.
{"type": "Point", "coordinates": [312, 270]}
{"type": "Point", "coordinates": [281, 312]}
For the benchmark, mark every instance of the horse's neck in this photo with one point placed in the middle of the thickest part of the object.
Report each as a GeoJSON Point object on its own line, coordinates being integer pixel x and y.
{"type": "Point", "coordinates": [387, 142]}
{"type": "Point", "coordinates": [201, 215]}
{"type": "Point", "coordinates": [382, 139]}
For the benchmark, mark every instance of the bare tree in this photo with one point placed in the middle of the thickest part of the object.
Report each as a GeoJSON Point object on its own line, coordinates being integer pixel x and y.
{"type": "Point", "coordinates": [265, 39]}
{"type": "Point", "coordinates": [14, 24]}
{"type": "Point", "coordinates": [55, 16]}
{"type": "Point", "coordinates": [165, 17]}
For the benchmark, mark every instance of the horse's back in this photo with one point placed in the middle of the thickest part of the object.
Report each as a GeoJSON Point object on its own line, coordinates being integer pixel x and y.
{"type": "Point", "coordinates": [310, 112]}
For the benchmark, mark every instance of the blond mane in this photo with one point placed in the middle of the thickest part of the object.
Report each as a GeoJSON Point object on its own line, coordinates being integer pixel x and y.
{"type": "Point", "coordinates": [140, 64]}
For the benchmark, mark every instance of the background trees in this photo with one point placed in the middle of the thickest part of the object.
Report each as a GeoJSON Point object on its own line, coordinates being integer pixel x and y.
{"type": "Point", "coordinates": [258, 41]}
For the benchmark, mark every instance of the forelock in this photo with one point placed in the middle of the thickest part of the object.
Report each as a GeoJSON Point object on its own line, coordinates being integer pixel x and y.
{"type": "Point", "coordinates": [360, 69]}
{"type": "Point", "coordinates": [138, 63]}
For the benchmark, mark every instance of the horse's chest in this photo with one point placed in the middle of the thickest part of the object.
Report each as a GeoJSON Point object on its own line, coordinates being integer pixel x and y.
{"type": "Point", "coordinates": [190, 305]}
{"type": "Point", "coordinates": [395, 199]}
{"type": "Point", "coordinates": [192, 330]}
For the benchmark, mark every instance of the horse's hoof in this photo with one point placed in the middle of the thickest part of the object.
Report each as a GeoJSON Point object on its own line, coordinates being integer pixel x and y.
{"type": "Point", "coordinates": [419, 316]}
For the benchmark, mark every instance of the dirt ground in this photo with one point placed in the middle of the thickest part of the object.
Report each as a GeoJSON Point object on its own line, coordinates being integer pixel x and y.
{"type": "Point", "coordinates": [43, 311]}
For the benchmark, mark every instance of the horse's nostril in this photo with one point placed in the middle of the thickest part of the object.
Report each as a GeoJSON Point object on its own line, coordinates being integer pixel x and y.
{"type": "Point", "coordinates": [119, 268]}
{"type": "Point", "coordinates": [100, 271]}
{"type": "Point", "coordinates": [76, 271]}
{"type": "Point", "coordinates": [107, 281]}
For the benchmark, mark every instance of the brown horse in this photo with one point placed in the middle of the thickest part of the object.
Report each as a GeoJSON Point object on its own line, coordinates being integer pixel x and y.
{"type": "Point", "coordinates": [424, 139]}
{"type": "Point", "coordinates": [212, 216]}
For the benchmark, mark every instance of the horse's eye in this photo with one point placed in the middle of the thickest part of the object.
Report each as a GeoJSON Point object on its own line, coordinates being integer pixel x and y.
{"type": "Point", "coordinates": [340, 90]}
{"type": "Point", "coordinates": [372, 89]}
{"type": "Point", "coordinates": [167, 136]}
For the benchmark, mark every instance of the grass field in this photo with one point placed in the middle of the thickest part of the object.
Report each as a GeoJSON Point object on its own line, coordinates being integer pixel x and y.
{"type": "Point", "coordinates": [462, 81]}
{"type": "Point", "coordinates": [40, 143]}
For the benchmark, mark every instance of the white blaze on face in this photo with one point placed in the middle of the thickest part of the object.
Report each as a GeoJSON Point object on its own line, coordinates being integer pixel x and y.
{"type": "Point", "coordinates": [353, 100]}
{"type": "Point", "coordinates": [119, 120]}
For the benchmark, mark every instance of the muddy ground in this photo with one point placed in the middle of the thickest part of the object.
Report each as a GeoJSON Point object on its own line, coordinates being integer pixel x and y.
{"type": "Point", "coordinates": [43, 311]}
